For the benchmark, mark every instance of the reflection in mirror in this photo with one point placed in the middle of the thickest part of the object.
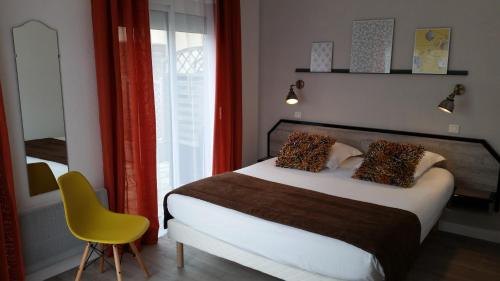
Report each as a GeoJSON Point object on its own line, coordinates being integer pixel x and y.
{"type": "Point", "coordinates": [39, 79]}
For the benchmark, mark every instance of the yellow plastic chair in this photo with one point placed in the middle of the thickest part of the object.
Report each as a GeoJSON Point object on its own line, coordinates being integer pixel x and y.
{"type": "Point", "coordinates": [89, 221]}
{"type": "Point", "coordinates": [40, 178]}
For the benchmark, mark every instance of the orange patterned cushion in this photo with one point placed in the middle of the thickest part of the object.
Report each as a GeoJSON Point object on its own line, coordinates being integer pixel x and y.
{"type": "Point", "coordinates": [305, 152]}
{"type": "Point", "coordinates": [390, 163]}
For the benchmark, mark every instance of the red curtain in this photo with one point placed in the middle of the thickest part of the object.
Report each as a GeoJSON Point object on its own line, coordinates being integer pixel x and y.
{"type": "Point", "coordinates": [228, 100]}
{"type": "Point", "coordinates": [126, 107]}
{"type": "Point", "coordinates": [11, 259]}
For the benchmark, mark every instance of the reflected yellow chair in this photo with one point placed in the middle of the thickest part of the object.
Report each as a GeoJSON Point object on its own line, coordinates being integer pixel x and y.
{"type": "Point", "coordinates": [89, 221]}
{"type": "Point", "coordinates": [40, 178]}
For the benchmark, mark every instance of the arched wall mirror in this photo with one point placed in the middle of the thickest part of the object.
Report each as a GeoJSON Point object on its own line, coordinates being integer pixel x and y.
{"type": "Point", "coordinates": [36, 50]}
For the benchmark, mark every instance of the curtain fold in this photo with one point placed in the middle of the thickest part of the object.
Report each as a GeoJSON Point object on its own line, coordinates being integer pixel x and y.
{"type": "Point", "coordinates": [11, 259]}
{"type": "Point", "coordinates": [126, 107]}
{"type": "Point", "coordinates": [228, 87]}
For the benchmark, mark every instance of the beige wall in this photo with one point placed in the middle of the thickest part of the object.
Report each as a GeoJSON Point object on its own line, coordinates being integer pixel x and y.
{"type": "Point", "coordinates": [73, 21]}
{"type": "Point", "coordinates": [250, 20]}
{"type": "Point", "coordinates": [403, 102]}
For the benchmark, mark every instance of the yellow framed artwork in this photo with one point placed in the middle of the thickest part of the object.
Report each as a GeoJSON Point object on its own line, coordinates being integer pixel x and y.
{"type": "Point", "coordinates": [432, 46]}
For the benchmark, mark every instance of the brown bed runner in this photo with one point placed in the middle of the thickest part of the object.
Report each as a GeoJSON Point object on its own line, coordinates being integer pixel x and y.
{"type": "Point", "coordinates": [47, 149]}
{"type": "Point", "coordinates": [391, 235]}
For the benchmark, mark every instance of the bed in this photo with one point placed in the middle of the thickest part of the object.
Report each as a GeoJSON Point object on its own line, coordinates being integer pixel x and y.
{"type": "Point", "coordinates": [293, 254]}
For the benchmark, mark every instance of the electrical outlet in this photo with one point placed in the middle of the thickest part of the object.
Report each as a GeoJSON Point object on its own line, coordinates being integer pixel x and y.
{"type": "Point", "coordinates": [297, 115]}
{"type": "Point", "coordinates": [454, 128]}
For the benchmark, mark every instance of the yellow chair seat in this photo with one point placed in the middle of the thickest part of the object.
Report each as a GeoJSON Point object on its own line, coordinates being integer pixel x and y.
{"type": "Point", "coordinates": [113, 228]}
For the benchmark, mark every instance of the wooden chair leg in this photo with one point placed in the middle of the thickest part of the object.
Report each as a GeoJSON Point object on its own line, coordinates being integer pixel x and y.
{"type": "Point", "coordinates": [116, 255]}
{"type": "Point", "coordinates": [138, 257]}
{"type": "Point", "coordinates": [82, 262]}
{"type": "Point", "coordinates": [101, 259]}
{"type": "Point", "coordinates": [180, 255]}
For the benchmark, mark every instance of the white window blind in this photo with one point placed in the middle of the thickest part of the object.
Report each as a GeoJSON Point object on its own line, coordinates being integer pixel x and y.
{"type": "Point", "coordinates": [183, 55]}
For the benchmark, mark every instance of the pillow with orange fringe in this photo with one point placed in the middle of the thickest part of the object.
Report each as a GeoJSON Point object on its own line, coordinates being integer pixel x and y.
{"type": "Point", "coordinates": [303, 151]}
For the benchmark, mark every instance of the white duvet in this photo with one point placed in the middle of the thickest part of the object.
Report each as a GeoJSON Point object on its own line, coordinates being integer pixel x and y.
{"type": "Point", "coordinates": [58, 169]}
{"type": "Point", "coordinates": [309, 251]}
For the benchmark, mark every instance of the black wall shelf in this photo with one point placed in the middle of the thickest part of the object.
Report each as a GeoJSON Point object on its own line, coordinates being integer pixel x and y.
{"type": "Point", "coordinates": [393, 71]}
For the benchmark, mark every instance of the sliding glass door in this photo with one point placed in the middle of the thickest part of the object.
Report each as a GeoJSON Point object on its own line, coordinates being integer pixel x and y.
{"type": "Point", "coordinates": [183, 72]}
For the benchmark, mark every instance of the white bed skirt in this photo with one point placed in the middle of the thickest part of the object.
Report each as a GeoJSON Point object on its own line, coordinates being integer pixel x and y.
{"type": "Point", "coordinates": [182, 233]}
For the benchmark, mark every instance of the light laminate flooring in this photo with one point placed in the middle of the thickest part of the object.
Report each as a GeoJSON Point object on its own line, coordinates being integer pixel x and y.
{"type": "Point", "coordinates": [443, 256]}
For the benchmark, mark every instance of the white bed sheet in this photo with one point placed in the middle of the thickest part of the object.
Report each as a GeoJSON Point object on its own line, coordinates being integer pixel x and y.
{"type": "Point", "coordinates": [309, 251]}
{"type": "Point", "coordinates": [58, 169]}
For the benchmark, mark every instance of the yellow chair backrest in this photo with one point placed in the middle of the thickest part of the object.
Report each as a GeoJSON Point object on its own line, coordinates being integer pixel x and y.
{"type": "Point", "coordinates": [41, 179]}
{"type": "Point", "coordinates": [81, 205]}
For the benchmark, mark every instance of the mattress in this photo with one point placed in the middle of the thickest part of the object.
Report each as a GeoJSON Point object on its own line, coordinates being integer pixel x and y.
{"type": "Point", "coordinates": [310, 251]}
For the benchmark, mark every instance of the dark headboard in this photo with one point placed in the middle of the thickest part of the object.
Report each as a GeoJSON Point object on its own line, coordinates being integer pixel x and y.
{"type": "Point", "coordinates": [473, 162]}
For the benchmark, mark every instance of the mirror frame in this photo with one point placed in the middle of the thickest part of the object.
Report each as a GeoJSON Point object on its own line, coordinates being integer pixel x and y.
{"type": "Point", "coordinates": [19, 94]}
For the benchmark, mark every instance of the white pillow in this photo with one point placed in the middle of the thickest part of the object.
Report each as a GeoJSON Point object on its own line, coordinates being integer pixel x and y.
{"type": "Point", "coordinates": [429, 160]}
{"type": "Point", "coordinates": [339, 153]}
{"type": "Point", "coordinates": [352, 163]}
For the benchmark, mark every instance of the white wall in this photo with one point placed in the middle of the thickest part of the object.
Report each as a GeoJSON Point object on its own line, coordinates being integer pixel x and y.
{"type": "Point", "coordinates": [250, 25]}
{"type": "Point", "coordinates": [72, 19]}
{"type": "Point", "coordinates": [404, 102]}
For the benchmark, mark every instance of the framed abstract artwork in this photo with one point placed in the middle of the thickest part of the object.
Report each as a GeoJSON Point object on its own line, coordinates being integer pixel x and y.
{"type": "Point", "coordinates": [321, 56]}
{"type": "Point", "coordinates": [432, 46]}
{"type": "Point", "coordinates": [371, 50]}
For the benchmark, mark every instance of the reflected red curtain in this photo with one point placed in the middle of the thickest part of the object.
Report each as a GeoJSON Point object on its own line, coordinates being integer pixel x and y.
{"type": "Point", "coordinates": [126, 107]}
{"type": "Point", "coordinates": [228, 100]}
{"type": "Point", "coordinates": [11, 259]}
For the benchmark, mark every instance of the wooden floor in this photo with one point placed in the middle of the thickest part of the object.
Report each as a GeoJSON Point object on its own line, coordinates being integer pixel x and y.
{"type": "Point", "coordinates": [443, 257]}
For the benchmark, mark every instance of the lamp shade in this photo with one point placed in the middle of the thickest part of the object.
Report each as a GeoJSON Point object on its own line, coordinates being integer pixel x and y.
{"type": "Point", "coordinates": [447, 105]}
{"type": "Point", "coordinates": [292, 98]}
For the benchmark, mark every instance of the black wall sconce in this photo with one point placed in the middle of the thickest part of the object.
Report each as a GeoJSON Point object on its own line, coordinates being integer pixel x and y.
{"type": "Point", "coordinates": [292, 98]}
{"type": "Point", "coordinates": [448, 104]}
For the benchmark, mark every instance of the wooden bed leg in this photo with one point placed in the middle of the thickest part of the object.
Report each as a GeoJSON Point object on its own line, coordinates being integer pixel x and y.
{"type": "Point", "coordinates": [180, 255]}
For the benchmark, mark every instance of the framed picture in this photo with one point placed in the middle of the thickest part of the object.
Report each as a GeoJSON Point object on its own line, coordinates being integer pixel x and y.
{"type": "Point", "coordinates": [432, 47]}
{"type": "Point", "coordinates": [371, 50]}
{"type": "Point", "coordinates": [321, 56]}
